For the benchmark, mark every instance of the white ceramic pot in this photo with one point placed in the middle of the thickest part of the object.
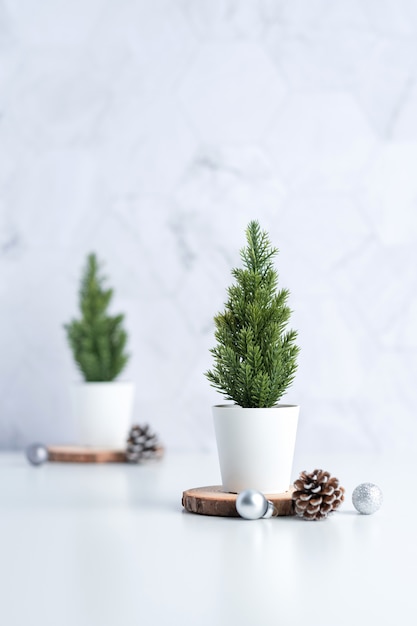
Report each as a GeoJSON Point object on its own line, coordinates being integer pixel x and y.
{"type": "Point", "coordinates": [256, 446]}
{"type": "Point", "coordinates": [102, 412]}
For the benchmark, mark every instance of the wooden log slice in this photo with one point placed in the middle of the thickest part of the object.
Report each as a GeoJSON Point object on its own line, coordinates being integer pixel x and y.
{"type": "Point", "coordinates": [80, 454]}
{"type": "Point", "coordinates": [214, 501]}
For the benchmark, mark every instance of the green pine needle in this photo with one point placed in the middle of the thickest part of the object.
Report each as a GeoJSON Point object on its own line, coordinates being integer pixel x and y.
{"type": "Point", "coordinates": [97, 340]}
{"type": "Point", "coordinates": [255, 359]}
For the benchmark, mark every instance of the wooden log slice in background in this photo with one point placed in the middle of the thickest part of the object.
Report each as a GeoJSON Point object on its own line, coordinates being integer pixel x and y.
{"type": "Point", "coordinates": [214, 501]}
{"type": "Point", "coordinates": [80, 454]}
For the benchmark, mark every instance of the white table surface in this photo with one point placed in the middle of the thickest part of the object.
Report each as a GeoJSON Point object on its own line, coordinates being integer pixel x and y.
{"type": "Point", "coordinates": [110, 544]}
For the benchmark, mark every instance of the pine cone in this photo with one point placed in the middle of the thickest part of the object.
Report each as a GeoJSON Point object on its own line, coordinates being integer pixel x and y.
{"type": "Point", "coordinates": [316, 495]}
{"type": "Point", "coordinates": [142, 444]}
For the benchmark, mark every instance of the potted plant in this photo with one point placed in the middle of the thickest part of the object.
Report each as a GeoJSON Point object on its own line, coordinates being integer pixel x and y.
{"type": "Point", "coordinates": [102, 407]}
{"type": "Point", "coordinates": [255, 361]}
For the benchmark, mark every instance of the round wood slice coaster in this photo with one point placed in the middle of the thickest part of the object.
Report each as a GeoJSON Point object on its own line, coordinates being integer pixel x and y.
{"type": "Point", "coordinates": [214, 501]}
{"type": "Point", "coordinates": [80, 454]}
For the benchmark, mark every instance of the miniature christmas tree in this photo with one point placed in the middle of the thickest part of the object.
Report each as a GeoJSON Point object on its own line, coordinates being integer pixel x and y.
{"type": "Point", "coordinates": [255, 359]}
{"type": "Point", "coordinates": [97, 340]}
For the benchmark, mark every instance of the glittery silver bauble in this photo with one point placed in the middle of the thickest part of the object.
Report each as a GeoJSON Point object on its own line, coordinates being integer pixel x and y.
{"type": "Point", "coordinates": [36, 454]}
{"type": "Point", "coordinates": [252, 504]}
{"type": "Point", "coordinates": [367, 498]}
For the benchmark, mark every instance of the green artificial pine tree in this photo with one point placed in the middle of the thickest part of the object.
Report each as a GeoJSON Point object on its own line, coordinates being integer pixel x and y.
{"type": "Point", "coordinates": [97, 340]}
{"type": "Point", "coordinates": [255, 359]}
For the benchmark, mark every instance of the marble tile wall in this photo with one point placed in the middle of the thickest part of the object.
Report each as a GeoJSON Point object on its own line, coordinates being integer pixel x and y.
{"type": "Point", "coordinates": [152, 131]}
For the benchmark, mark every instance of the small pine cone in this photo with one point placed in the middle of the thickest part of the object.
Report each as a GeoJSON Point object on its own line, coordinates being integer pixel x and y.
{"type": "Point", "coordinates": [316, 494]}
{"type": "Point", "coordinates": [142, 444]}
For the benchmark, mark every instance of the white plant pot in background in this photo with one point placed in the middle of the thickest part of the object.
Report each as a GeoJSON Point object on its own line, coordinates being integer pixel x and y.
{"type": "Point", "coordinates": [102, 412]}
{"type": "Point", "coordinates": [256, 446]}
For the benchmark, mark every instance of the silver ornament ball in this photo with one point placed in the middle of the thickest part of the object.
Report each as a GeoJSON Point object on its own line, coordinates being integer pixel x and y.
{"type": "Point", "coordinates": [252, 504]}
{"type": "Point", "coordinates": [367, 498]}
{"type": "Point", "coordinates": [36, 454]}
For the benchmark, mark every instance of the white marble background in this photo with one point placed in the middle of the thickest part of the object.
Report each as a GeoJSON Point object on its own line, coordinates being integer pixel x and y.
{"type": "Point", "coordinates": [152, 131]}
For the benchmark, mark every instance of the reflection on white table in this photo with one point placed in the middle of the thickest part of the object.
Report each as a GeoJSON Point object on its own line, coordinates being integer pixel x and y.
{"type": "Point", "coordinates": [86, 545]}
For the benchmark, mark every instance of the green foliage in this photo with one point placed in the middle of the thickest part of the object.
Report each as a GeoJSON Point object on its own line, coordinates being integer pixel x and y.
{"type": "Point", "coordinates": [97, 340]}
{"type": "Point", "coordinates": [255, 359]}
